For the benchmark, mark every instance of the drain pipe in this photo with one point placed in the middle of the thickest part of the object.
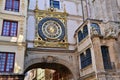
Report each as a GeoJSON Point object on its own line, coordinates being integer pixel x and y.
{"type": "Point", "coordinates": [82, 10]}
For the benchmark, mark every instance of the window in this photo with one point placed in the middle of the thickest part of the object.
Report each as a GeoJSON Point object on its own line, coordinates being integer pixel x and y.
{"type": "Point", "coordinates": [96, 26]}
{"type": "Point", "coordinates": [80, 35]}
{"type": "Point", "coordinates": [9, 28]}
{"type": "Point", "coordinates": [106, 57]}
{"type": "Point", "coordinates": [12, 5]}
{"type": "Point", "coordinates": [55, 4]}
{"type": "Point", "coordinates": [7, 61]}
{"type": "Point", "coordinates": [85, 31]}
{"type": "Point", "coordinates": [85, 58]}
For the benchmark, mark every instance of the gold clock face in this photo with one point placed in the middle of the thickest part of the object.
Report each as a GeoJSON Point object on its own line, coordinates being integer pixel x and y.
{"type": "Point", "coordinates": [51, 29]}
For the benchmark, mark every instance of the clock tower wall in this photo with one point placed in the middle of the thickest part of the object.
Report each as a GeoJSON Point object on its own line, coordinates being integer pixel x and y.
{"type": "Point", "coordinates": [73, 19]}
{"type": "Point", "coordinates": [72, 7]}
{"type": "Point", "coordinates": [72, 25]}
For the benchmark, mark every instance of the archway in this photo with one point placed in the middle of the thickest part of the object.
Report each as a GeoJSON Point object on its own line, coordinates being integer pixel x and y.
{"type": "Point", "coordinates": [61, 67]}
{"type": "Point", "coordinates": [63, 71]}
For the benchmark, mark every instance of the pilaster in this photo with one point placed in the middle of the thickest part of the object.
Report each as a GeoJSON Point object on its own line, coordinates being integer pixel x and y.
{"type": "Point", "coordinates": [97, 54]}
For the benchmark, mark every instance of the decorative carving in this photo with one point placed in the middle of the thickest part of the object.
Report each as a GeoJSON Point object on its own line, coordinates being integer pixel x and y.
{"type": "Point", "coordinates": [21, 30]}
{"type": "Point", "coordinates": [49, 59]}
{"type": "Point", "coordinates": [111, 30]}
{"type": "Point", "coordinates": [51, 9]}
{"type": "Point", "coordinates": [93, 31]}
{"type": "Point", "coordinates": [23, 6]}
{"type": "Point", "coordinates": [50, 44]}
{"type": "Point", "coordinates": [20, 38]}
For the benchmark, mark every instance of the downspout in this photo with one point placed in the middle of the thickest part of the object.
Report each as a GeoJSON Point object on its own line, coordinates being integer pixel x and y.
{"type": "Point", "coordinates": [82, 11]}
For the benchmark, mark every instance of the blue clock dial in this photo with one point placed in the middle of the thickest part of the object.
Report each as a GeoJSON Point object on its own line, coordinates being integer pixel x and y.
{"type": "Point", "coordinates": [51, 29]}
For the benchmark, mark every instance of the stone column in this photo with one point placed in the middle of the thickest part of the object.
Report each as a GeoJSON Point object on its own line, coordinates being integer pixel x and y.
{"type": "Point", "coordinates": [97, 54]}
{"type": "Point", "coordinates": [97, 58]}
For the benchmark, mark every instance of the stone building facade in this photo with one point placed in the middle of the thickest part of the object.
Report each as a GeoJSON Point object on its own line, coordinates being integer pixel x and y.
{"type": "Point", "coordinates": [13, 14]}
{"type": "Point", "coordinates": [79, 39]}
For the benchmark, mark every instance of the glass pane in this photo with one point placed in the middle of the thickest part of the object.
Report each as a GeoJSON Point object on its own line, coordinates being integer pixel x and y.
{"type": "Point", "coordinates": [6, 62]}
{"type": "Point", "coordinates": [16, 5]}
{"type": "Point", "coordinates": [13, 29]}
{"type": "Point", "coordinates": [86, 58]}
{"type": "Point", "coordinates": [56, 4]}
{"type": "Point", "coordinates": [2, 61]}
{"type": "Point", "coordinates": [85, 31]}
{"type": "Point", "coordinates": [6, 27]}
{"type": "Point", "coordinates": [8, 5]}
{"type": "Point", "coordinates": [80, 36]}
{"type": "Point", "coordinates": [106, 57]}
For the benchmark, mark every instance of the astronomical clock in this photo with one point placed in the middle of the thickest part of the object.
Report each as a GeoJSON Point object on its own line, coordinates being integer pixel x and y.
{"type": "Point", "coordinates": [50, 29]}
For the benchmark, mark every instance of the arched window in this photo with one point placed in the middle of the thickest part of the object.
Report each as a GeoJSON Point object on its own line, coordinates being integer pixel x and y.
{"type": "Point", "coordinates": [80, 35]}
{"type": "Point", "coordinates": [106, 57]}
{"type": "Point", "coordinates": [85, 31]}
{"type": "Point", "coordinates": [96, 26]}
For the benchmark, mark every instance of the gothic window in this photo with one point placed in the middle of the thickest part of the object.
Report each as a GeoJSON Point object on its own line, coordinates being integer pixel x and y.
{"type": "Point", "coordinates": [85, 58]}
{"type": "Point", "coordinates": [96, 26]}
{"type": "Point", "coordinates": [7, 61]}
{"type": "Point", "coordinates": [106, 57]}
{"type": "Point", "coordinates": [80, 35]}
{"type": "Point", "coordinates": [85, 31]}
{"type": "Point", "coordinates": [9, 28]}
{"type": "Point", "coordinates": [12, 5]}
{"type": "Point", "coordinates": [55, 4]}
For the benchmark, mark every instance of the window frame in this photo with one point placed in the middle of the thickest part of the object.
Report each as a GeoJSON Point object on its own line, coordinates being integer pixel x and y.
{"type": "Point", "coordinates": [80, 36]}
{"type": "Point", "coordinates": [12, 7]}
{"type": "Point", "coordinates": [10, 26]}
{"type": "Point", "coordinates": [83, 34]}
{"type": "Point", "coordinates": [54, 4]}
{"type": "Point", "coordinates": [106, 58]}
{"type": "Point", "coordinates": [6, 62]}
{"type": "Point", "coordinates": [85, 31]}
{"type": "Point", "coordinates": [85, 59]}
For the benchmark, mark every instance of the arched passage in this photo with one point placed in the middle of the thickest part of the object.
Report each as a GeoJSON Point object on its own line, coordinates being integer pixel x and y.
{"type": "Point", "coordinates": [55, 66]}
{"type": "Point", "coordinates": [49, 62]}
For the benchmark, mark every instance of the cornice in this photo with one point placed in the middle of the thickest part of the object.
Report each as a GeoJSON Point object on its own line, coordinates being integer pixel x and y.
{"type": "Point", "coordinates": [76, 1]}
{"type": "Point", "coordinates": [11, 14]}
{"type": "Point", "coordinates": [109, 72]}
{"type": "Point", "coordinates": [74, 17]}
{"type": "Point", "coordinates": [51, 50]}
{"type": "Point", "coordinates": [12, 43]}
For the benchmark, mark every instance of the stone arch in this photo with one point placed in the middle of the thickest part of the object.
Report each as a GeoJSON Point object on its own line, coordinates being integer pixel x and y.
{"type": "Point", "coordinates": [50, 60]}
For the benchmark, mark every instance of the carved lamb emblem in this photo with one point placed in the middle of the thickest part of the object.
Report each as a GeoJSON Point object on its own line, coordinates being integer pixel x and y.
{"type": "Point", "coordinates": [49, 59]}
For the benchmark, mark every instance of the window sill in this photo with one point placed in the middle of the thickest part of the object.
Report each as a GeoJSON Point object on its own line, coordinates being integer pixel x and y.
{"type": "Point", "coordinates": [83, 40]}
{"type": "Point", "coordinates": [87, 67]}
{"type": "Point", "coordinates": [5, 12]}
{"type": "Point", "coordinates": [87, 70]}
